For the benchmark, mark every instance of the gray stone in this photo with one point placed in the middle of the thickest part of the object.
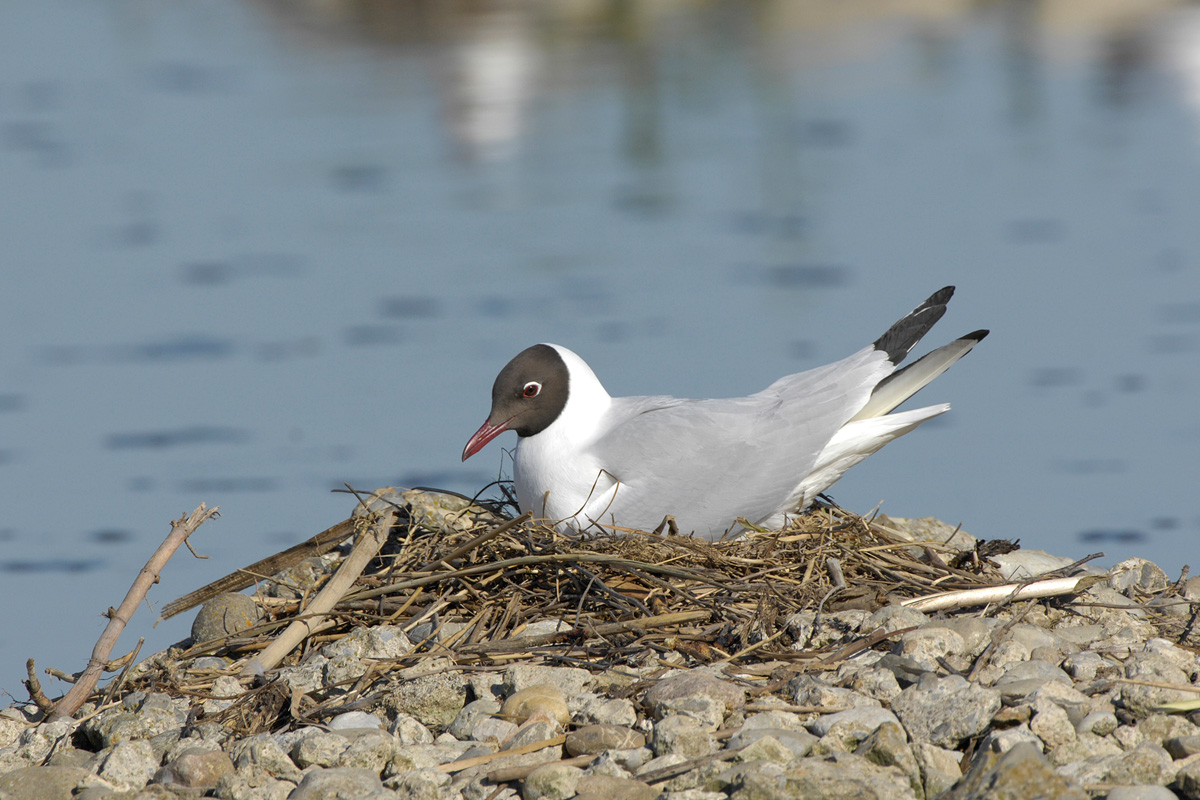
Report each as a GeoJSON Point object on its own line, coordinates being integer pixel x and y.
{"type": "Point", "coordinates": [842, 775]}
{"type": "Point", "coordinates": [1187, 780]}
{"type": "Point", "coordinates": [598, 738]}
{"type": "Point", "coordinates": [939, 767]}
{"type": "Point", "coordinates": [410, 731]}
{"type": "Point", "coordinates": [333, 784]}
{"type": "Point", "coordinates": [129, 765]}
{"type": "Point", "coordinates": [894, 618]}
{"type": "Point", "coordinates": [1141, 699]}
{"type": "Point", "coordinates": [1052, 725]}
{"type": "Point", "coordinates": [196, 768]}
{"type": "Point", "coordinates": [928, 529]}
{"type": "Point", "coordinates": [1182, 746]}
{"type": "Point", "coordinates": [471, 715]}
{"type": "Point", "coordinates": [226, 614]}
{"type": "Point", "coordinates": [774, 718]}
{"type": "Point", "coordinates": [433, 700]}
{"type": "Point", "coordinates": [603, 711]}
{"type": "Point", "coordinates": [766, 748]}
{"type": "Point", "coordinates": [1040, 671]}
{"type": "Point", "coordinates": [318, 748]}
{"type": "Point", "coordinates": [604, 787]}
{"type": "Point", "coordinates": [551, 782]}
{"type": "Point", "coordinates": [368, 749]}
{"type": "Point", "coordinates": [493, 729]}
{"type": "Point", "coordinates": [1021, 564]}
{"type": "Point", "coordinates": [355, 720]}
{"type": "Point", "coordinates": [945, 711]}
{"type": "Point", "coordinates": [1146, 763]}
{"type": "Point", "coordinates": [1084, 665]}
{"type": "Point", "coordinates": [888, 747]}
{"type": "Point", "coordinates": [570, 680]}
{"type": "Point", "coordinates": [808, 690]}
{"type": "Point", "coordinates": [976, 632]}
{"type": "Point", "coordinates": [252, 784]}
{"type": "Point", "coordinates": [926, 645]}
{"type": "Point", "coordinates": [306, 677]}
{"type": "Point", "coordinates": [695, 684]}
{"type": "Point", "coordinates": [683, 736]}
{"type": "Point", "coordinates": [708, 710]}
{"type": "Point", "coordinates": [1004, 739]}
{"type": "Point", "coordinates": [43, 783]}
{"type": "Point", "coordinates": [422, 784]}
{"type": "Point", "coordinates": [1101, 723]}
{"type": "Point", "coordinates": [1140, 793]}
{"type": "Point", "coordinates": [877, 683]}
{"type": "Point", "coordinates": [852, 725]}
{"type": "Point", "coordinates": [797, 742]}
{"type": "Point", "coordinates": [1137, 573]}
{"type": "Point", "coordinates": [1022, 773]}
{"type": "Point", "coordinates": [263, 752]}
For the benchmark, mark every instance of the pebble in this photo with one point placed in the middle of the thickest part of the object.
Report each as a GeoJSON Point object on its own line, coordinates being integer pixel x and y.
{"type": "Point", "coordinates": [1045, 710]}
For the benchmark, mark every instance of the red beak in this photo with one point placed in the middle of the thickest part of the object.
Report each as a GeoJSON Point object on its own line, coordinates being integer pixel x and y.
{"type": "Point", "coordinates": [485, 434]}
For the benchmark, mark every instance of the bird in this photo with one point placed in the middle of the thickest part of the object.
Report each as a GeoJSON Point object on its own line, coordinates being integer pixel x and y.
{"type": "Point", "coordinates": [588, 462]}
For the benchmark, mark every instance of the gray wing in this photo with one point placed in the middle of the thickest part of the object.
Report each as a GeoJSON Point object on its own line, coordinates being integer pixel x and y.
{"type": "Point", "coordinates": [707, 462]}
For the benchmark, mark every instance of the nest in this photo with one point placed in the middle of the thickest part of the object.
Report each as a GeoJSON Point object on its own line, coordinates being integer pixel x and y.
{"type": "Point", "coordinates": [474, 590]}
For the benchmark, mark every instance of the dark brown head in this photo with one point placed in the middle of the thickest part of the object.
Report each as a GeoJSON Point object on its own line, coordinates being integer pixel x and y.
{"type": "Point", "coordinates": [528, 395]}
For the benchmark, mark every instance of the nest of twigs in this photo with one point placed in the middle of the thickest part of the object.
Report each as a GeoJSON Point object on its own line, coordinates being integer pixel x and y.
{"type": "Point", "coordinates": [468, 585]}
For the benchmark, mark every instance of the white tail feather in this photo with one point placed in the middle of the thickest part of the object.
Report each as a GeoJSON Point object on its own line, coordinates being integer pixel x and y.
{"type": "Point", "coordinates": [904, 383]}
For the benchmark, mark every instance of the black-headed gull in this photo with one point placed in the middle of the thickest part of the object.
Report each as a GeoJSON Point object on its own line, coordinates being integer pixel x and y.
{"type": "Point", "coordinates": [586, 460]}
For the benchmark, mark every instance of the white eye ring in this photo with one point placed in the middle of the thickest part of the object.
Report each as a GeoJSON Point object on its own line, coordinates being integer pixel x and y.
{"type": "Point", "coordinates": [532, 389]}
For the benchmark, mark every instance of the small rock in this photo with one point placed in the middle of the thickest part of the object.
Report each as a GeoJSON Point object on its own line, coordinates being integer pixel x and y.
{"type": "Point", "coordinates": [695, 684]}
{"type": "Point", "coordinates": [842, 775]}
{"type": "Point", "coordinates": [1022, 772]}
{"type": "Point", "coordinates": [434, 700]}
{"type": "Point", "coordinates": [683, 736]}
{"type": "Point", "coordinates": [355, 720]}
{"type": "Point", "coordinates": [939, 767]}
{"type": "Point", "coordinates": [43, 783]}
{"type": "Point", "coordinates": [852, 725]}
{"type": "Point", "coordinates": [471, 715]}
{"type": "Point", "coordinates": [129, 764]}
{"type": "Point", "coordinates": [808, 690]}
{"type": "Point", "coordinates": [945, 711]}
{"type": "Point", "coordinates": [598, 738]}
{"type": "Point", "coordinates": [766, 748]}
{"type": "Point", "coordinates": [603, 787]}
{"type": "Point", "coordinates": [543, 701]}
{"type": "Point", "coordinates": [1021, 564]}
{"type": "Point", "coordinates": [603, 711]}
{"type": "Point", "coordinates": [1146, 763]}
{"type": "Point", "coordinates": [410, 731]}
{"type": "Point", "coordinates": [797, 742]}
{"type": "Point", "coordinates": [1141, 793]}
{"type": "Point", "coordinates": [196, 769]}
{"type": "Point", "coordinates": [226, 614]}
{"type": "Point", "coordinates": [928, 644]}
{"type": "Point", "coordinates": [1101, 723]}
{"type": "Point", "coordinates": [551, 782]}
{"type": "Point", "coordinates": [570, 681]}
{"type": "Point", "coordinates": [323, 784]}
{"type": "Point", "coordinates": [1182, 746]}
{"type": "Point", "coordinates": [1137, 573]}
{"type": "Point", "coordinates": [421, 784]}
{"type": "Point", "coordinates": [894, 618]}
{"type": "Point", "coordinates": [1142, 699]}
{"type": "Point", "coordinates": [888, 747]}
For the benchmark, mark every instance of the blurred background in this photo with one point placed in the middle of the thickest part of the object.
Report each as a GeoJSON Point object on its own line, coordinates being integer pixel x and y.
{"type": "Point", "coordinates": [253, 250]}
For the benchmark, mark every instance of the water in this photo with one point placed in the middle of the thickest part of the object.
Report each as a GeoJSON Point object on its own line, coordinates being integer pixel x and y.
{"type": "Point", "coordinates": [250, 256]}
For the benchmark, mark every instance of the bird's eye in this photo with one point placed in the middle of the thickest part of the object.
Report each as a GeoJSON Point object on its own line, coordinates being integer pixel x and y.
{"type": "Point", "coordinates": [531, 389]}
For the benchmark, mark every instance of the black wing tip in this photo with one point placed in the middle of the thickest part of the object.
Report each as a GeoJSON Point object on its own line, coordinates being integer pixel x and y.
{"type": "Point", "coordinates": [976, 336]}
{"type": "Point", "coordinates": [899, 339]}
